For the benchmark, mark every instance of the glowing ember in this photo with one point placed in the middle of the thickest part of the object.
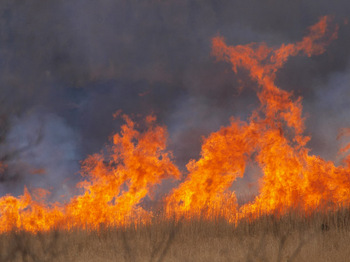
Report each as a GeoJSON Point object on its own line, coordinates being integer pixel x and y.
{"type": "Point", "coordinates": [117, 180]}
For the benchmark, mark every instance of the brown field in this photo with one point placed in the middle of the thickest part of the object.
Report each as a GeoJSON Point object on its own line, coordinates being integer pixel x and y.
{"type": "Point", "coordinates": [318, 237]}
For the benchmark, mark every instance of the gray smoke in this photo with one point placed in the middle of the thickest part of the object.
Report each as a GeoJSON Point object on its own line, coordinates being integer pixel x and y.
{"type": "Point", "coordinates": [40, 151]}
{"type": "Point", "coordinates": [80, 61]}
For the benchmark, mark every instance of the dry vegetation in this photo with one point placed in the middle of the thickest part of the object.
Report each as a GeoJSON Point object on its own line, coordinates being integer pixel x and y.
{"type": "Point", "coordinates": [318, 237]}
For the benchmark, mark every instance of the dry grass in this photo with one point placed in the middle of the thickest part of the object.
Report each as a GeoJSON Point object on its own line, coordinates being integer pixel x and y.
{"type": "Point", "coordinates": [319, 237]}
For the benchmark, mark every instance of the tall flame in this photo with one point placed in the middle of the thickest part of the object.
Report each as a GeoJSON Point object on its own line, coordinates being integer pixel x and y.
{"type": "Point", "coordinates": [273, 137]}
{"type": "Point", "coordinates": [138, 166]}
{"type": "Point", "coordinates": [118, 178]}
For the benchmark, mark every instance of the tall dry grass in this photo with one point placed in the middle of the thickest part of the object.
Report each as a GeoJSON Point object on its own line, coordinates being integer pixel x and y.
{"type": "Point", "coordinates": [293, 237]}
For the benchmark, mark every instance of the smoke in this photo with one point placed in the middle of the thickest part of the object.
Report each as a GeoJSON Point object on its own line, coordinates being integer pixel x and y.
{"type": "Point", "coordinates": [332, 102]}
{"type": "Point", "coordinates": [83, 60]}
{"type": "Point", "coordinates": [40, 151]}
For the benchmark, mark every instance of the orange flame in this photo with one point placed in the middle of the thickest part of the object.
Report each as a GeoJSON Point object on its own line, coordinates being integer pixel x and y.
{"type": "Point", "coordinates": [119, 178]}
{"type": "Point", "coordinates": [273, 137]}
{"type": "Point", "coordinates": [116, 184]}
{"type": "Point", "coordinates": [138, 166]}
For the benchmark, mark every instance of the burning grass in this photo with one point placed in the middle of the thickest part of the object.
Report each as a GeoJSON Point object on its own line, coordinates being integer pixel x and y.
{"type": "Point", "coordinates": [320, 236]}
{"type": "Point", "coordinates": [200, 219]}
{"type": "Point", "coordinates": [121, 176]}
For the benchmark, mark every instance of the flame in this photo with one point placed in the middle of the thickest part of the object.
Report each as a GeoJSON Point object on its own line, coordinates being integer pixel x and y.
{"type": "Point", "coordinates": [273, 137]}
{"type": "Point", "coordinates": [120, 177]}
{"type": "Point", "coordinates": [138, 166]}
{"type": "Point", "coordinates": [116, 183]}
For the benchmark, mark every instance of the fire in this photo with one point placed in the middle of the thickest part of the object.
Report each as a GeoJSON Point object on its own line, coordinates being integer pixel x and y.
{"type": "Point", "coordinates": [27, 214]}
{"type": "Point", "coordinates": [273, 137]}
{"type": "Point", "coordinates": [136, 166]}
{"type": "Point", "coordinates": [116, 183]}
{"type": "Point", "coordinates": [120, 177]}
{"type": "Point", "coordinates": [292, 177]}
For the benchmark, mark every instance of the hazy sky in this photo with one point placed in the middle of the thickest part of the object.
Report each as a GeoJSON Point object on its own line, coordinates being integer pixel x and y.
{"type": "Point", "coordinates": [66, 66]}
